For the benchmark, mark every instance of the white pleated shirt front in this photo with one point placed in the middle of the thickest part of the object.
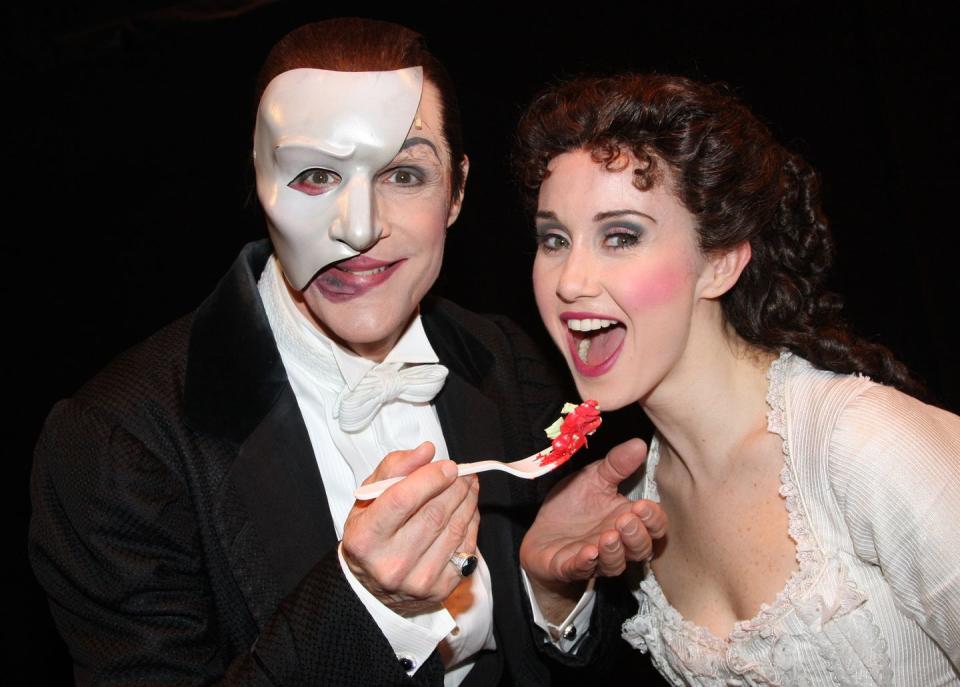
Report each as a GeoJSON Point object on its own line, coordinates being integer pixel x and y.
{"type": "Point", "coordinates": [318, 370]}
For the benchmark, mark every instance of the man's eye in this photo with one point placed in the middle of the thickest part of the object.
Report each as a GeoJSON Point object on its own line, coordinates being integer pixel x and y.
{"type": "Point", "coordinates": [403, 177]}
{"type": "Point", "coordinates": [315, 182]}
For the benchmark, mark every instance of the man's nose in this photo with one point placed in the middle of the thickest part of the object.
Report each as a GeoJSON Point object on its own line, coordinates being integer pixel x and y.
{"type": "Point", "coordinates": [357, 224]}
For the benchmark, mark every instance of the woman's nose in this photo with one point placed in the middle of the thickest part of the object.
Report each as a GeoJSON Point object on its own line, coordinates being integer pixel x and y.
{"type": "Point", "coordinates": [357, 223]}
{"type": "Point", "coordinates": [578, 278]}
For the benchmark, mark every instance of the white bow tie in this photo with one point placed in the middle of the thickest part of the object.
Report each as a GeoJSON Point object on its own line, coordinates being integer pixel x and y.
{"type": "Point", "coordinates": [385, 383]}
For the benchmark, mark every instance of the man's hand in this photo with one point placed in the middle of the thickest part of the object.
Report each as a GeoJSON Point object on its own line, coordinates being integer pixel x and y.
{"type": "Point", "coordinates": [399, 545]}
{"type": "Point", "coordinates": [585, 528]}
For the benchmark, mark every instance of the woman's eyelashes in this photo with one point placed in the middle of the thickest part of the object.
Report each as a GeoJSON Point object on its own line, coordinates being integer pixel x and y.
{"type": "Point", "coordinates": [315, 181]}
{"type": "Point", "coordinates": [549, 240]}
{"type": "Point", "coordinates": [614, 237]}
{"type": "Point", "coordinates": [620, 240]}
{"type": "Point", "coordinates": [621, 235]}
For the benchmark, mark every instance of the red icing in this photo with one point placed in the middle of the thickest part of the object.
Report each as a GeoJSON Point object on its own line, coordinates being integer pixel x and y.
{"type": "Point", "coordinates": [577, 424]}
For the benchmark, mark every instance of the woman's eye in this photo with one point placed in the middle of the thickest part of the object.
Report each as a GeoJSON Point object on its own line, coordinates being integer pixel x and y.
{"type": "Point", "coordinates": [621, 239]}
{"type": "Point", "coordinates": [550, 243]}
{"type": "Point", "coordinates": [315, 182]}
{"type": "Point", "coordinates": [403, 177]}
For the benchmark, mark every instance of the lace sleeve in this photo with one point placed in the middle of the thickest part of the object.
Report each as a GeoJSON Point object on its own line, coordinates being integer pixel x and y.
{"type": "Point", "coordinates": [895, 472]}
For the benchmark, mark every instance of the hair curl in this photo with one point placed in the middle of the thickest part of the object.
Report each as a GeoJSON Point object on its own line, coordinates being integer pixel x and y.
{"type": "Point", "coordinates": [740, 184]}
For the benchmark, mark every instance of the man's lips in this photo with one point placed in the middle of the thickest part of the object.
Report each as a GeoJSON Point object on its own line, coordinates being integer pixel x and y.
{"type": "Point", "coordinates": [594, 340]}
{"type": "Point", "coordinates": [354, 277]}
{"type": "Point", "coordinates": [361, 263]}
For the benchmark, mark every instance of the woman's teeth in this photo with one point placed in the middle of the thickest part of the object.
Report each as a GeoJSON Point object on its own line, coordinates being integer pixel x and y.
{"type": "Point", "coordinates": [589, 325]}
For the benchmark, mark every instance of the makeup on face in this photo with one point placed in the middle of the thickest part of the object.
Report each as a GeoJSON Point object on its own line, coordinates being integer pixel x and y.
{"type": "Point", "coordinates": [321, 143]}
{"type": "Point", "coordinates": [353, 277]}
{"type": "Point", "coordinates": [615, 276]}
{"type": "Point", "coordinates": [365, 302]}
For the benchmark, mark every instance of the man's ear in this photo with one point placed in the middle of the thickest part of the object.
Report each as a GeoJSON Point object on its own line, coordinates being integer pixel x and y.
{"type": "Point", "coordinates": [723, 269]}
{"type": "Point", "coordinates": [458, 201]}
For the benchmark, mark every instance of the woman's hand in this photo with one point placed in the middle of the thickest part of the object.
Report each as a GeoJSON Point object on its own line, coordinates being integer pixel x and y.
{"type": "Point", "coordinates": [586, 528]}
{"type": "Point", "coordinates": [399, 545]}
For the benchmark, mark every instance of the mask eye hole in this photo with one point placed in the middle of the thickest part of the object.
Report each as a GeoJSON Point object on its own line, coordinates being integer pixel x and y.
{"type": "Point", "coordinates": [315, 181]}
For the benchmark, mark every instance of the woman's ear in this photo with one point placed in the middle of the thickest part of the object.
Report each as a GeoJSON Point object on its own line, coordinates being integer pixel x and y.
{"type": "Point", "coordinates": [458, 201]}
{"type": "Point", "coordinates": [723, 269]}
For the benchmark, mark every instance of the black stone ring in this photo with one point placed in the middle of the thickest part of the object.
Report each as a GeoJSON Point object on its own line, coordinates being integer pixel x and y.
{"type": "Point", "coordinates": [464, 562]}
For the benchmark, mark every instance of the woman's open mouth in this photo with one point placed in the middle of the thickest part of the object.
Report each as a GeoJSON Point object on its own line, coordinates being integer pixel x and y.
{"type": "Point", "coordinates": [595, 341]}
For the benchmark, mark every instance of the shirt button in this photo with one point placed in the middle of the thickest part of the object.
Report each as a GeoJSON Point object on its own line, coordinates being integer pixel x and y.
{"type": "Point", "coordinates": [407, 663]}
{"type": "Point", "coordinates": [570, 632]}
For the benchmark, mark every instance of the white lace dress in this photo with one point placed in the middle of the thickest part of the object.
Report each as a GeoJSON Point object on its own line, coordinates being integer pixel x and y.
{"type": "Point", "coordinates": [871, 481]}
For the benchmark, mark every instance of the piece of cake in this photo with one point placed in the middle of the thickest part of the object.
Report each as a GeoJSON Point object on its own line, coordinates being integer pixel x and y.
{"type": "Point", "coordinates": [569, 433]}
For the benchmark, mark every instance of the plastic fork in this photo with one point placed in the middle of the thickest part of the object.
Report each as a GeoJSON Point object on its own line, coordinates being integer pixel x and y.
{"type": "Point", "coordinates": [525, 468]}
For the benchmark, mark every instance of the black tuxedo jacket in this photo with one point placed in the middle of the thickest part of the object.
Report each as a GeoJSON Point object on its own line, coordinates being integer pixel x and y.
{"type": "Point", "coordinates": [181, 528]}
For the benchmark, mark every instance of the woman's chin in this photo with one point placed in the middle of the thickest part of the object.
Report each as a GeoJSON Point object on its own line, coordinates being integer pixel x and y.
{"type": "Point", "coordinates": [607, 399]}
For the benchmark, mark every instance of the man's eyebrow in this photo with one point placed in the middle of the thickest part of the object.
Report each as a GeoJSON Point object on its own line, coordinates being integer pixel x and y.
{"type": "Point", "coordinates": [600, 216]}
{"type": "Point", "coordinates": [419, 140]}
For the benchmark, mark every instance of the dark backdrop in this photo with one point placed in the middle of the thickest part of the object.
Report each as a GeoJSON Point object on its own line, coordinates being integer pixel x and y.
{"type": "Point", "coordinates": [129, 189]}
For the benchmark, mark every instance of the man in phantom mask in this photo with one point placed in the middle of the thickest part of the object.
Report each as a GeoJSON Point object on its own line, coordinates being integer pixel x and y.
{"type": "Point", "coordinates": [190, 499]}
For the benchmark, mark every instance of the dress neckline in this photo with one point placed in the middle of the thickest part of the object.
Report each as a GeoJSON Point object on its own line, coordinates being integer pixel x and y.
{"type": "Point", "coordinates": [808, 553]}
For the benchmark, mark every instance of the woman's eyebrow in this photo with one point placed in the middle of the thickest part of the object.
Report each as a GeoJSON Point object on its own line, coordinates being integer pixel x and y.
{"type": "Point", "coordinates": [419, 140]}
{"type": "Point", "coordinates": [600, 216]}
{"type": "Point", "coordinates": [546, 214]}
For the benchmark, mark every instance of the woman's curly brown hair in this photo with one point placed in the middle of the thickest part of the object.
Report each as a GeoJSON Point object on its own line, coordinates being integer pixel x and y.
{"type": "Point", "coordinates": [739, 183]}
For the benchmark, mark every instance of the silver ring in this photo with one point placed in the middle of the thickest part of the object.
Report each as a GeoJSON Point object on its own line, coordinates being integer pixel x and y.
{"type": "Point", "coordinates": [464, 562]}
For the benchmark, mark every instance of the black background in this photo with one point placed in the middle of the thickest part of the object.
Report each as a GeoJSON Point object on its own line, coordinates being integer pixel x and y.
{"type": "Point", "coordinates": [129, 191]}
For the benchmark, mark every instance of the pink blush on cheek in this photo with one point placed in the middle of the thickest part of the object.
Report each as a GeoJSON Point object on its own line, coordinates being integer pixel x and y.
{"type": "Point", "coordinates": [658, 286]}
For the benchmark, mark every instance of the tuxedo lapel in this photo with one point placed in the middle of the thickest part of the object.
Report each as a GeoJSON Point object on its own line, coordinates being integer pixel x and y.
{"type": "Point", "coordinates": [276, 479]}
{"type": "Point", "coordinates": [271, 509]}
{"type": "Point", "coordinates": [471, 408]}
{"type": "Point", "coordinates": [469, 417]}
{"type": "Point", "coordinates": [471, 427]}
{"type": "Point", "coordinates": [470, 421]}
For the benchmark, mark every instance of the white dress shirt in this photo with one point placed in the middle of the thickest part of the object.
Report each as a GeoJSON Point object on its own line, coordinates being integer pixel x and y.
{"type": "Point", "coordinates": [318, 371]}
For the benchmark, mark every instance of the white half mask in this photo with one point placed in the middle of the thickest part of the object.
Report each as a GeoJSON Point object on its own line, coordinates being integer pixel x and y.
{"type": "Point", "coordinates": [349, 123]}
